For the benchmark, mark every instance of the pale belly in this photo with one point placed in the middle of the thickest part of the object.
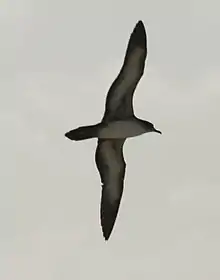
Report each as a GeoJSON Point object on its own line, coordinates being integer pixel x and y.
{"type": "Point", "coordinates": [121, 129]}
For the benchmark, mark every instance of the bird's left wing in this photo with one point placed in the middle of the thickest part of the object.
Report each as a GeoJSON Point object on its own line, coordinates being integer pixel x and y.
{"type": "Point", "coordinates": [111, 165]}
{"type": "Point", "coordinates": [119, 101]}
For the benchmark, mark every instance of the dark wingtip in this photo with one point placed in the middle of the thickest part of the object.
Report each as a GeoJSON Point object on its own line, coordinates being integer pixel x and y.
{"type": "Point", "coordinates": [106, 234]}
{"type": "Point", "coordinates": [139, 27]}
{"type": "Point", "coordinates": [106, 231]}
{"type": "Point", "coordinates": [106, 237]}
{"type": "Point", "coordinates": [138, 36]}
{"type": "Point", "coordinates": [140, 24]}
{"type": "Point", "coordinates": [108, 216]}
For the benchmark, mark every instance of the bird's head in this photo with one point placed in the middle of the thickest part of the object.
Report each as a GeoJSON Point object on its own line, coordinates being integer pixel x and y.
{"type": "Point", "coordinates": [150, 127]}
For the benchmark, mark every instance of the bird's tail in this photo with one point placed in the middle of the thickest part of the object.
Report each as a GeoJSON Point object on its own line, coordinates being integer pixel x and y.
{"type": "Point", "coordinates": [82, 133]}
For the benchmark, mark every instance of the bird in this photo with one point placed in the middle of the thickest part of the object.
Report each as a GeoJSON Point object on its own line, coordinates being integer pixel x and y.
{"type": "Point", "coordinates": [118, 123]}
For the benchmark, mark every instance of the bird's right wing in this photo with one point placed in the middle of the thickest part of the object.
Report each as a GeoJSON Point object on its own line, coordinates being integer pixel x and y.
{"type": "Point", "coordinates": [119, 101]}
{"type": "Point", "coordinates": [111, 165]}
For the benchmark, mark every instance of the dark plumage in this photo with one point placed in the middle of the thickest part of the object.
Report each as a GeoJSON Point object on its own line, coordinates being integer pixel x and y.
{"type": "Point", "coordinates": [118, 123]}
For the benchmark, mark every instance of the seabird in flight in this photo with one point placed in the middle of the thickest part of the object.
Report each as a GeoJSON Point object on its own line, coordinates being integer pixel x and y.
{"type": "Point", "coordinates": [118, 124]}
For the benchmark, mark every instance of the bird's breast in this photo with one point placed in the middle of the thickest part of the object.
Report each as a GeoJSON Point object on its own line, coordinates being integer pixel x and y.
{"type": "Point", "coordinates": [121, 129]}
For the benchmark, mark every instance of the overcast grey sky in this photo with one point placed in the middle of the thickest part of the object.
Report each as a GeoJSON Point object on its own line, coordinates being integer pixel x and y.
{"type": "Point", "coordinates": [58, 59]}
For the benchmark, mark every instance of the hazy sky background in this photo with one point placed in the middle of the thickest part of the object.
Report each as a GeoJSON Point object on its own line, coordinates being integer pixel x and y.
{"type": "Point", "coordinates": [58, 59]}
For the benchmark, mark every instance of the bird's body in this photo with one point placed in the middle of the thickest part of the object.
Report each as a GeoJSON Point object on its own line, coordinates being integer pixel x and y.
{"type": "Point", "coordinates": [118, 124]}
{"type": "Point", "coordinates": [122, 129]}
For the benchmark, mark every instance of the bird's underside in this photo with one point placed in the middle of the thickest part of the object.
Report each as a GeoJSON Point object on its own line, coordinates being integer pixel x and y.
{"type": "Point", "coordinates": [109, 153]}
{"type": "Point", "coordinates": [119, 106]}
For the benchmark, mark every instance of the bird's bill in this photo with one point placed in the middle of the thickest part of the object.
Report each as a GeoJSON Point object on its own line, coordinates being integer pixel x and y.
{"type": "Point", "coordinates": [158, 131]}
